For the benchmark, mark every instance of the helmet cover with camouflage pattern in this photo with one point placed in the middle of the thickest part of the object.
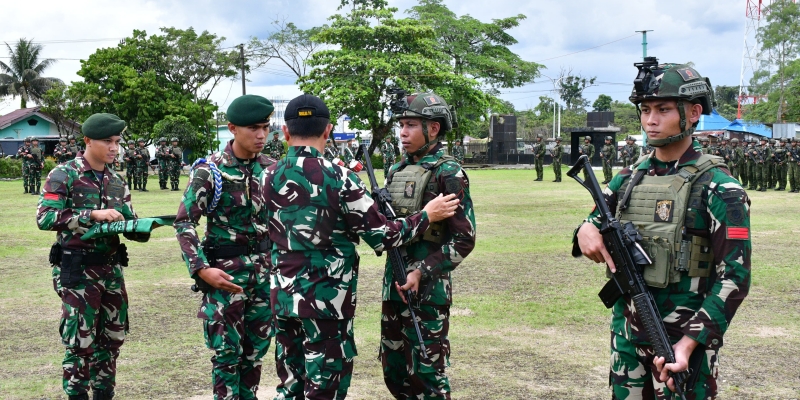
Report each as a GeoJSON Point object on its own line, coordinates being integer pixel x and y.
{"type": "Point", "coordinates": [676, 81]}
{"type": "Point", "coordinates": [162, 139]}
{"type": "Point", "coordinates": [587, 138]}
{"type": "Point", "coordinates": [429, 106]}
{"type": "Point", "coordinates": [609, 138]}
{"type": "Point", "coordinates": [173, 139]}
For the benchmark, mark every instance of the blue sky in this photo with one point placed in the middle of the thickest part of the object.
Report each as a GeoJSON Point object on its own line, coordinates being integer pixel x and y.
{"type": "Point", "coordinates": [709, 33]}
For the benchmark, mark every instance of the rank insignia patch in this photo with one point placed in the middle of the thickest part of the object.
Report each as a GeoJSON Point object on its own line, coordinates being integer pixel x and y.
{"type": "Point", "coordinates": [409, 191]}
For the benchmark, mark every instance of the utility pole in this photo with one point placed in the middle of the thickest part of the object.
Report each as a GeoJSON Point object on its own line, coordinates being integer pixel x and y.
{"type": "Point", "coordinates": [644, 43]}
{"type": "Point", "coordinates": [241, 58]}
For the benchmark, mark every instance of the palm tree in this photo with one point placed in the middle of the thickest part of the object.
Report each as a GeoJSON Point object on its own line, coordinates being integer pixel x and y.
{"type": "Point", "coordinates": [22, 75]}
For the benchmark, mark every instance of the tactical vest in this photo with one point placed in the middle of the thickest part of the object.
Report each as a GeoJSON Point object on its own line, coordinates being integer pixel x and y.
{"type": "Point", "coordinates": [408, 187]}
{"type": "Point", "coordinates": [658, 208]}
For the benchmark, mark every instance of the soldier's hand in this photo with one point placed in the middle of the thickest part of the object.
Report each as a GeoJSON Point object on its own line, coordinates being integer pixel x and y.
{"type": "Point", "coordinates": [683, 350]}
{"type": "Point", "coordinates": [108, 215]}
{"type": "Point", "coordinates": [218, 279]}
{"type": "Point", "coordinates": [442, 207]}
{"type": "Point", "coordinates": [591, 244]}
{"type": "Point", "coordinates": [412, 283]}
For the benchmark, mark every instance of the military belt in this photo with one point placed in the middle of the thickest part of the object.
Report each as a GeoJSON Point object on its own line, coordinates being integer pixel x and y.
{"type": "Point", "coordinates": [95, 258]}
{"type": "Point", "coordinates": [230, 251]}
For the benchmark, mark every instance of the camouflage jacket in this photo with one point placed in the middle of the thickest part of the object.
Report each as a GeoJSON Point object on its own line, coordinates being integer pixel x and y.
{"type": "Point", "coordinates": [130, 156]}
{"type": "Point", "coordinates": [62, 153]}
{"type": "Point", "coordinates": [387, 151]}
{"type": "Point", "coordinates": [145, 160]}
{"type": "Point", "coordinates": [162, 152]}
{"type": "Point", "coordinates": [588, 149]}
{"type": "Point", "coordinates": [437, 260]}
{"type": "Point", "coordinates": [317, 211]}
{"type": "Point", "coordinates": [240, 217]}
{"type": "Point", "coordinates": [538, 150]}
{"type": "Point", "coordinates": [609, 153]}
{"type": "Point", "coordinates": [557, 152]}
{"type": "Point", "coordinates": [347, 155]}
{"type": "Point", "coordinates": [177, 152]}
{"type": "Point", "coordinates": [701, 308]}
{"type": "Point", "coordinates": [275, 148]}
{"type": "Point", "coordinates": [458, 153]}
{"type": "Point", "coordinates": [70, 194]}
{"type": "Point", "coordinates": [23, 152]}
{"type": "Point", "coordinates": [330, 152]}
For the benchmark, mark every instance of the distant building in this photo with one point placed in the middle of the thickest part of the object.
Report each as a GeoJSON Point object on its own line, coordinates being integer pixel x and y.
{"type": "Point", "coordinates": [31, 122]}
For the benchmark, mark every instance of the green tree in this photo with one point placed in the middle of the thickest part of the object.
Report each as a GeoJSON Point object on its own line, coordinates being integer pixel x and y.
{"type": "Point", "coordinates": [626, 117]}
{"type": "Point", "coordinates": [370, 52]}
{"type": "Point", "coordinates": [727, 98]}
{"type": "Point", "coordinates": [477, 50]}
{"type": "Point", "coordinates": [188, 136]}
{"type": "Point", "coordinates": [146, 78]}
{"type": "Point", "coordinates": [288, 44]}
{"type": "Point", "coordinates": [780, 44]}
{"type": "Point", "coordinates": [22, 75]}
{"type": "Point", "coordinates": [571, 89]}
{"type": "Point", "coordinates": [603, 103]}
{"type": "Point", "coordinates": [54, 103]}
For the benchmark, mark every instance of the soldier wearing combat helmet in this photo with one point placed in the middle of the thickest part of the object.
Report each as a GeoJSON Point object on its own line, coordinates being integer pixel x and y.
{"type": "Point", "coordinates": [556, 153]}
{"type": "Point", "coordinates": [421, 176]}
{"type": "Point", "coordinates": [700, 272]}
{"type": "Point", "coordinates": [609, 155]}
{"type": "Point", "coordinates": [630, 152]}
{"type": "Point", "coordinates": [162, 156]}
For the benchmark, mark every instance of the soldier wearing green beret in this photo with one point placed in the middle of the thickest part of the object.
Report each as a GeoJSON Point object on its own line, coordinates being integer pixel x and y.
{"type": "Point", "coordinates": [231, 264]}
{"type": "Point", "coordinates": [274, 147]}
{"type": "Point", "coordinates": [88, 274]}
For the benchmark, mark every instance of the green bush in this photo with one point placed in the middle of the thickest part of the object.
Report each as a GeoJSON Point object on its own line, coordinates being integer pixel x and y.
{"type": "Point", "coordinates": [377, 161]}
{"type": "Point", "coordinates": [10, 168]}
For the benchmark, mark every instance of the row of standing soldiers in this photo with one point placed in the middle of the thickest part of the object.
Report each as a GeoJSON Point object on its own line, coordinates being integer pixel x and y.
{"type": "Point", "coordinates": [608, 154]}
{"type": "Point", "coordinates": [33, 160]}
{"type": "Point", "coordinates": [137, 159]}
{"type": "Point", "coordinates": [768, 165]}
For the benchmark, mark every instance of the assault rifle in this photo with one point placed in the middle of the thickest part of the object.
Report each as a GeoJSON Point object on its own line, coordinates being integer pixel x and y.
{"type": "Point", "coordinates": [384, 200]}
{"type": "Point", "coordinates": [622, 242]}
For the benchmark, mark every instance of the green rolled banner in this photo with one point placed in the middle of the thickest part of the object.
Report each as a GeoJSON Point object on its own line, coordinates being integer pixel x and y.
{"type": "Point", "coordinates": [139, 225]}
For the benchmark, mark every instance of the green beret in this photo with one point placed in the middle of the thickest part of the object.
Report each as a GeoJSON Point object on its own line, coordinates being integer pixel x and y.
{"type": "Point", "coordinates": [103, 126]}
{"type": "Point", "coordinates": [250, 109]}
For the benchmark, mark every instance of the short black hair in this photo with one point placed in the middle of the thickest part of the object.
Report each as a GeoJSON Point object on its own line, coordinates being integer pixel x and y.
{"type": "Point", "coordinates": [307, 127]}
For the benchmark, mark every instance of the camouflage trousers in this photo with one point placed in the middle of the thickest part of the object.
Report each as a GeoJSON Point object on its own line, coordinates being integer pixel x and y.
{"type": "Point", "coordinates": [752, 176]}
{"type": "Point", "coordinates": [539, 167]}
{"type": "Point", "coordinates": [794, 176]}
{"type": "Point", "coordinates": [174, 173]}
{"type": "Point", "coordinates": [735, 172]}
{"type": "Point", "coordinates": [314, 357]}
{"type": "Point", "coordinates": [407, 375]}
{"type": "Point", "coordinates": [781, 171]}
{"type": "Point", "coordinates": [34, 180]}
{"type": "Point", "coordinates": [634, 377]}
{"type": "Point", "coordinates": [163, 174]}
{"type": "Point", "coordinates": [761, 176]}
{"type": "Point", "coordinates": [607, 171]}
{"type": "Point", "coordinates": [238, 327]}
{"type": "Point", "coordinates": [26, 171]}
{"type": "Point", "coordinates": [557, 169]}
{"type": "Point", "coordinates": [141, 175]}
{"type": "Point", "coordinates": [94, 321]}
{"type": "Point", "coordinates": [769, 174]}
{"type": "Point", "coordinates": [387, 165]}
{"type": "Point", "coordinates": [130, 174]}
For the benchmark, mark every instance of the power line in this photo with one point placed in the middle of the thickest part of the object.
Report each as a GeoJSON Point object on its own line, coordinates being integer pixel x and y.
{"type": "Point", "coordinates": [590, 48]}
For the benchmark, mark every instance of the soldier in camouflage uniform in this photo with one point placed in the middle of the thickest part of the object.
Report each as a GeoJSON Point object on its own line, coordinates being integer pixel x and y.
{"type": "Point", "coordinates": [330, 150]}
{"type": "Point", "coordinates": [608, 154]}
{"type": "Point", "coordinates": [769, 164]}
{"type": "Point", "coordinates": [89, 277]}
{"type": "Point", "coordinates": [425, 173]}
{"type": "Point", "coordinates": [74, 147]}
{"type": "Point", "coordinates": [587, 148]}
{"type": "Point", "coordinates": [630, 152]}
{"type": "Point", "coordinates": [142, 164]}
{"type": "Point", "coordinates": [231, 264]}
{"type": "Point", "coordinates": [275, 147]}
{"type": "Point", "coordinates": [761, 154]}
{"type": "Point", "coordinates": [538, 157]}
{"type": "Point", "coordinates": [780, 164]}
{"type": "Point", "coordinates": [794, 166]}
{"type": "Point", "coordinates": [162, 150]}
{"type": "Point", "coordinates": [704, 143]}
{"type": "Point", "coordinates": [61, 151]}
{"type": "Point", "coordinates": [697, 299]}
{"type": "Point", "coordinates": [130, 164]}
{"type": "Point", "coordinates": [750, 157]}
{"type": "Point", "coordinates": [387, 151]}
{"type": "Point", "coordinates": [347, 153]}
{"type": "Point", "coordinates": [36, 164]}
{"type": "Point", "coordinates": [24, 153]}
{"type": "Point", "coordinates": [458, 152]}
{"type": "Point", "coordinates": [557, 152]}
{"type": "Point", "coordinates": [174, 161]}
{"type": "Point", "coordinates": [317, 211]}
{"type": "Point", "coordinates": [736, 162]}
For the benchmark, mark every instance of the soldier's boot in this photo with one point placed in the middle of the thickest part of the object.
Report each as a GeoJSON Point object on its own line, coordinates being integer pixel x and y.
{"type": "Point", "coordinates": [26, 189]}
{"type": "Point", "coordinates": [144, 184]}
{"type": "Point", "coordinates": [107, 394]}
{"type": "Point", "coordinates": [129, 182]}
{"type": "Point", "coordinates": [36, 193]}
{"type": "Point", "coordinates": [83, 396]}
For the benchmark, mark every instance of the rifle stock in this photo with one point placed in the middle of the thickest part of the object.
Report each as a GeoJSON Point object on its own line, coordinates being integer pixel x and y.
{"type": "Point", "coordinates": [622, 243]}
{"type": "Point", "coordinates": [384, 200]}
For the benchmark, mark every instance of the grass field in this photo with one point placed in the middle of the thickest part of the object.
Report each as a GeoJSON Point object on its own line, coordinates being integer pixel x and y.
{"type": "Point", "coordinates": [526, 324]}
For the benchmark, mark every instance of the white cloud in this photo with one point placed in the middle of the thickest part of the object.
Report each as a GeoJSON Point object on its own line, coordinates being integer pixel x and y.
{"type": "Point", "coordinates": [709, 33]}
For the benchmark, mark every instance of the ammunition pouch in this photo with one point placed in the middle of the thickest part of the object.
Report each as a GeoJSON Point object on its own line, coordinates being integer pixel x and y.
{"type": "Point", "coordinates": [73, 263]}
{"type": "Point", "coordinates": [55, 254]}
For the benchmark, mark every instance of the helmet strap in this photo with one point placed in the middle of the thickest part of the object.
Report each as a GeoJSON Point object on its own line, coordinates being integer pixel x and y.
{"type": "Point", "coordinates": [672, 139]}
{"type": "Point", "coordinates": [424, 149]}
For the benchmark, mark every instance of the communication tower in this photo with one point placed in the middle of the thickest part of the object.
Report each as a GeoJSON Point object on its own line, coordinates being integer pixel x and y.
{"type": "Point", "coordinates": [750, 60]}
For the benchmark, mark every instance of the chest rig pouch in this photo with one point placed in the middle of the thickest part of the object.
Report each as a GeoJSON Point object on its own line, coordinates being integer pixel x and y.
{"type": "Point", "coordinates": [660, 207]}
{"type": "Point", "coordinates": [408, 187]}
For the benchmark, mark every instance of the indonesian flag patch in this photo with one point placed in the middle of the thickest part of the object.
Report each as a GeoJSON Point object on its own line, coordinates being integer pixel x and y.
{"type": "Point", "coordinates": [737, 233]}
{"type": "Point", "coordinates": [51, 196]}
